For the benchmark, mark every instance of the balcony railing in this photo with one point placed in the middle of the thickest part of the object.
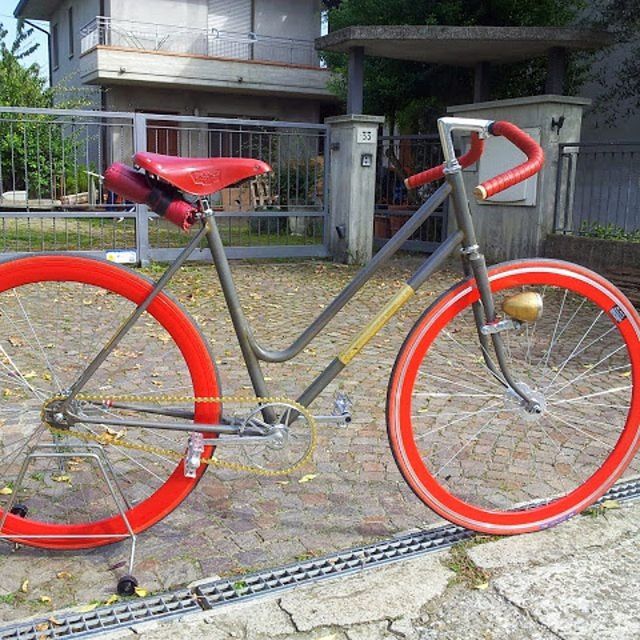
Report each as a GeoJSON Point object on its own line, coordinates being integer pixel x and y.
{"type": "Point", "coordinates": [188, 40]}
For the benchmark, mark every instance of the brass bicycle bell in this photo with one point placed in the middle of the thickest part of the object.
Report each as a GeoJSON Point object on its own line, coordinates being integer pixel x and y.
{"type": "Point", "coordinates": [525, 306]}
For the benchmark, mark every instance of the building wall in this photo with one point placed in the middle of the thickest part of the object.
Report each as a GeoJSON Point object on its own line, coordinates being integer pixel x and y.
{"type": "Point", "coordinates": [66, 77]}
{"type": "Point", "coordinates": [211, 104]}
{"type": "Point", "coordinates": [596, 127]}
{"type": "Point", "coordinates": [189, 13]}
{"type": "Point", "coordinates": [299, 19]}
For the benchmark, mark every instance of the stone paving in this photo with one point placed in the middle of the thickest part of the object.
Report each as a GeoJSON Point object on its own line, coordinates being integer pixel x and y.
{"type": "Point", "coordinates": [578, 581]}
{"type": "Point", "coordinates": [233, 523]}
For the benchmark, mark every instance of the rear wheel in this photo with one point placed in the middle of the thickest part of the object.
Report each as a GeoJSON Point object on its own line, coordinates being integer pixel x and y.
{"type": "Point", "coordinates": [56, 313]}
{"type": "Point", "coordinates": [465, 443]}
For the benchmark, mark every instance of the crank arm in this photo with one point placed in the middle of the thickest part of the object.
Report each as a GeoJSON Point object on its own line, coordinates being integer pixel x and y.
{"type": "Point", "coordinates": [72, 418]}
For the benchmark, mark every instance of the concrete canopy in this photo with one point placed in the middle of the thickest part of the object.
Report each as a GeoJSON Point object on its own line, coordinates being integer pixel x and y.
{"type": "Point", "coordinates": [476, 47]}
{"type": "Point", "coordinates": [462, 46]}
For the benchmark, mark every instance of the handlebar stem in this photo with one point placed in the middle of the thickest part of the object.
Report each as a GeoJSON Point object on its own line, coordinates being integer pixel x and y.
{"type": "Point", "coordinates": [446, 127]}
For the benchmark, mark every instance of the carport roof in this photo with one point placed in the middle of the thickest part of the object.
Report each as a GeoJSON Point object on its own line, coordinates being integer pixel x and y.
{"type": "Point", "coordinates": [462, 46]}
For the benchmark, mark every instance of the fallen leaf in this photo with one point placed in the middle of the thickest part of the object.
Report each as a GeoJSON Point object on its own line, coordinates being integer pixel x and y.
{"type": "Point", "coordinates": [16, 342]}
{"type": "Point", "coordinates": [112, 598]}
{"type": "Point", "coordinates": [30, 376]}
{"type": "Point", "coordinates": [6, 491]}
{"type": "Point", "coordinates": [85, 608]}
{"type": "Point", "coordinates": [25, 586]}
{"type": "Point", "coordinates": [140, 592]}
{"type": "Point", "coordinates": [45, 599]}
{"type": "Point", "coordinates": [610, 504]}
{"type": "Point", "coordinates": [308, 478]}
{"type": "Point", "coordinates": [482, 586]}
{"type": "Point", "coordinates": [56, 622]}
{"type": "Point", "coordinates": [63, 575]}
{"type": "Point", "coordinates": [42, 626]}
{"type": "Point", "coordinates": [61, 478]}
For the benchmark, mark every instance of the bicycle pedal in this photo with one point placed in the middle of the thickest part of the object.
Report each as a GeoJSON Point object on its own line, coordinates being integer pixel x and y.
{"type": "Point", "coordinates": [341, 413]}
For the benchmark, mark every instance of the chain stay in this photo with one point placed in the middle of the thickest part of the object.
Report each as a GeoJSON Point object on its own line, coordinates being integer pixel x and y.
{"type": "Point", "coordinates": [119, 441]}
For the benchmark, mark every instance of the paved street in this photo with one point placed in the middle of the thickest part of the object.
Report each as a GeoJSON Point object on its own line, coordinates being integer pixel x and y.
{"type": "Point", "coordinates": [234, 523]}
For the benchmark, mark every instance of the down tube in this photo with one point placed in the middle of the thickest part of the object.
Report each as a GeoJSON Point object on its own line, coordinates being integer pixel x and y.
{"type": "Point", "coordinates": [432, 264]}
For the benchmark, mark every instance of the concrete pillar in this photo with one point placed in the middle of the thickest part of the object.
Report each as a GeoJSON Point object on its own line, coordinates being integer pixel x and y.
{"type": "Point", "coordinates": [556, 71]}
{"type": "Point", "coordinates": [355, 89]}
{"type": "Point", "coordinates": [515, 223]}
{"type": "Point", "coordinates": [352, 171]}
{"type": "Point", "coordinates": [481, 82]}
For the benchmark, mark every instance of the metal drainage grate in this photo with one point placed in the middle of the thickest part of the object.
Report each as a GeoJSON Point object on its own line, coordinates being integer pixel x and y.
{"type": "Point", "coordinates": [225, 591]}
{"type": "Point", "coordinates": [104, 619]}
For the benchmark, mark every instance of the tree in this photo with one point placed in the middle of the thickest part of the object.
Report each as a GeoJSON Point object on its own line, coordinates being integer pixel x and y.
{"type": "Point", "coordinates": [21, 86]}
{"type": "Point", "coordinates": [413, 94]}
{"type": "Point", "coordinates": [37, 153]}
{"type": "Point", "coordinates": [621, 86]}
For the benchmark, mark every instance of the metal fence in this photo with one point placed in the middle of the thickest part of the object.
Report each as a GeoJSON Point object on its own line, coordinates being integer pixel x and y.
{"type": "Point", "coordinates": [399, 157]}
{"type": "Point", "coordinates": [52, 196]}
{"type": "Point", "coordinates": [149, 36]}
{"type": "Point", "coordinates": [598, 190]}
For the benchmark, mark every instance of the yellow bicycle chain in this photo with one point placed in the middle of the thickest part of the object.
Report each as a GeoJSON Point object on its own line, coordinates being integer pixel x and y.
{"type": "Point", "coordinates": [169, 453]}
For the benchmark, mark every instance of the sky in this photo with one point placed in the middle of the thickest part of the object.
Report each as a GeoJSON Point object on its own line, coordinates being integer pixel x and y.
{"type": "Point", "coordinates": [9, 22]}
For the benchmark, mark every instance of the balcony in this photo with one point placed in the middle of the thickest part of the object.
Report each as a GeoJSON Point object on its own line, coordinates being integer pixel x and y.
{"type": "Point", "coordinates": [127, 52]}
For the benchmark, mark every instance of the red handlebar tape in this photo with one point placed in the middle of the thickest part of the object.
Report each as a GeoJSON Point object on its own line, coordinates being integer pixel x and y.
{"type": "Point", "coordinates": [436, 173]}
{"type": "Point", "coordinates": [526, 144]}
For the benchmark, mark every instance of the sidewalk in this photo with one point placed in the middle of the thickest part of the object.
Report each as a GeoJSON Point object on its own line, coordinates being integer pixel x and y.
{"type": "Point", "coordinates": [577, 581]}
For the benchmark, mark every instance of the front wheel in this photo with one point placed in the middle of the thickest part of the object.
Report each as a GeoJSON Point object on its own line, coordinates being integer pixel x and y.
{"type": "Point", "coordinates": [463, 440]}
{"type": "Point", "coordinates": [56, 313]}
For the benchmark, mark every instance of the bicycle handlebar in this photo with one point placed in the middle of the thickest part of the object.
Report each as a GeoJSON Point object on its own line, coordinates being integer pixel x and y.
{"type": "Point", "coordinates": [515, 135]}
{"type": "Point", "coordinates": [435, 173]}
{"type": "Point", "coordinates": [533, 164]}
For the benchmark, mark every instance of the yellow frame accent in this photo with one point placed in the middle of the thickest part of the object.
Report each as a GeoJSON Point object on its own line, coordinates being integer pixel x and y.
{"type": "Point", "coordinates": [386, 313]}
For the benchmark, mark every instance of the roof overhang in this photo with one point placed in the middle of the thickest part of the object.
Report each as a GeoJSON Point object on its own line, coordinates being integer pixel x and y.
{"type": "Point", "coordinates": [462, 46]}
{"type": "Point", "coordinates": [35, 9]}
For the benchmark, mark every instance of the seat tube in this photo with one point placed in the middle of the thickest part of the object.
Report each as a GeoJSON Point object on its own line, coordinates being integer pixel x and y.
{"type": "Point", "coordinates": [238, 318]}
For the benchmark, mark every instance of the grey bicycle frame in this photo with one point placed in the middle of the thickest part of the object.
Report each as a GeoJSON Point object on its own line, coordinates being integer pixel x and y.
{"type": "Point", "coordinates": [253, 353]}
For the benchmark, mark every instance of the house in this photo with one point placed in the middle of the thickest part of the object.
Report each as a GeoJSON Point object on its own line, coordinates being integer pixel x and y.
{"type": "Point", "coordinates": [228, 58]}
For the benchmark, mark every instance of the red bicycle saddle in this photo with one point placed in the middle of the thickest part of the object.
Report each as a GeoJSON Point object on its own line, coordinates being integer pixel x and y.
{"type": "Point", "coordinates": [200, 176]}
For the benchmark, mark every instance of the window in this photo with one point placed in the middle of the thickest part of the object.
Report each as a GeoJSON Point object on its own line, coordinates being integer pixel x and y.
{"type": "Point", "coordinates": [71, 32]}
{"type": "Point", "coordinates": [55, 47]}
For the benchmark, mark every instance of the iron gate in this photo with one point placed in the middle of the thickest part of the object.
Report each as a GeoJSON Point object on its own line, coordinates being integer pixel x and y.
{"type": "Point", "coordinates": [398, 157]}
{"type": "Point", "coordinates": [598, 189]}
{"type": "Point", "coordinates": [52, 197]}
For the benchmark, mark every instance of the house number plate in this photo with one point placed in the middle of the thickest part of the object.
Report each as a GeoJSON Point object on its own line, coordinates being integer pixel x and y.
{"type": "Point", "coordinates": [366, 135]}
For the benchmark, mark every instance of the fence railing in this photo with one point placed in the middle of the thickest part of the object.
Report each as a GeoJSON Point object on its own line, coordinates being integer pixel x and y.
{"type": "Point", "coordinates": [52, 196]}
{"type": "Point", "coordinates": [399, 157]}
{"type": "Point", "coordinates": [148, 36]}
{"type": "Point", "coordinates": [598, 187]}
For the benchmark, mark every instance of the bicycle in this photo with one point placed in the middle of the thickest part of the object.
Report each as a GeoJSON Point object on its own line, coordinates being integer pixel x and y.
{"type": "Point", "coordinates": [490, 414]}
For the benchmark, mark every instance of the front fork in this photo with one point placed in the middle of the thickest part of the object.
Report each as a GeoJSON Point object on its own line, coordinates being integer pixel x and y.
{"type": "Point", "coordinates": [484, 311]}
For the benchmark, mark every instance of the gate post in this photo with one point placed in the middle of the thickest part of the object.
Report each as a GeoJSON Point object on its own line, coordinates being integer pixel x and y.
{"type": "Point", "coordinates": [515, 223]}
{"type": "Point", "coordinates": [142, 211]}
{"type": "Point", "coordinates": [352, 186]}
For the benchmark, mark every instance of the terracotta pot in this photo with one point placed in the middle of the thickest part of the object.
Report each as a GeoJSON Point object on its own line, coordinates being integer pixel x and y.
{"type": "Point", "coordinates": [381, 227]}
{"type": "Point", "coordinates": [395, 222]}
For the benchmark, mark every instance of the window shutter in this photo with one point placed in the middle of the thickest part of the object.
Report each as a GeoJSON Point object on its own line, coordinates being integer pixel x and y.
{"type": "Point", "coordinates": [234, 19]}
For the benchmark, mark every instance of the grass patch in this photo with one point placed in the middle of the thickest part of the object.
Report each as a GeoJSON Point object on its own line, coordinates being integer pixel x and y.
{"type": "Point", "coordinates": [467, 571]}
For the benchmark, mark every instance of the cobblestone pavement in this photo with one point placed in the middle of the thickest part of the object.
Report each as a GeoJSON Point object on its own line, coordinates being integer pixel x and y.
{"type": "Point", "coordinates": [233, 523]}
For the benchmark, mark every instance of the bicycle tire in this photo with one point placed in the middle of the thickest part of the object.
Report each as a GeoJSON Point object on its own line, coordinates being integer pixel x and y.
{"type": "Point", "coordinates": [558, 463]}
{"type": "Point", "coordinates": [39, 339]}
